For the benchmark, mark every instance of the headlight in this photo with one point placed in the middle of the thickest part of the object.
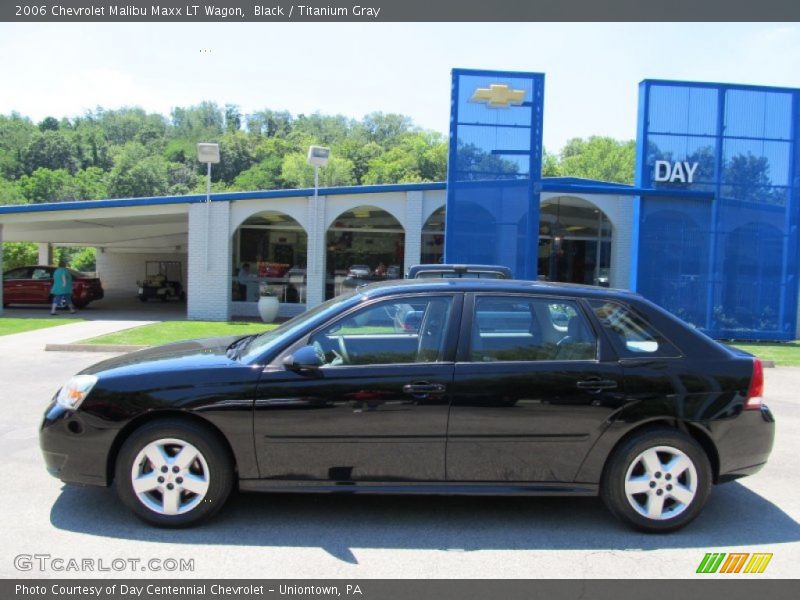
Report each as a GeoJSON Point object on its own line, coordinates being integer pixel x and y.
{"type": "Point", "coordinates": [75, 391]}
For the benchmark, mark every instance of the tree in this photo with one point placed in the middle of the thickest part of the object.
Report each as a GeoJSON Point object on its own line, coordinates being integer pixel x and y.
{"type": "Point", "coordinates": [19, 254]}
{"type": "Point", "coordinates": [600, 158]}
{"type": "Point", "coordinates": [236, 155]}
{"type": "Point", "coordinates": [270, 123]}
{"type": "Point", "coordinates": [51, 150]}
{"type": "Point", "coordinates": [10, 193]}
{"type": "Point", "coordinates": [48, 185]}
{"type": "Point", "coordinates": [386, 129]}
{"type": "Point", "coordinates": [296, 172]}
{"type": "Point", "coordinates": [137, 174]}
{"type": "Point", "coordinates": [91, 184]}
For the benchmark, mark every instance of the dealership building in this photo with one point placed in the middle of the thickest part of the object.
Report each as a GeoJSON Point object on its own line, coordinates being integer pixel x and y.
{"type": "Point", "coordinates": [709, 230]}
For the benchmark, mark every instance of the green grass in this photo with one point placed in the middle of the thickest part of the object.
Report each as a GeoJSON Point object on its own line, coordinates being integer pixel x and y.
{"type": "Point", "coordinates": [786, 354]}
{"type": "Point", "coordinates": [9, 325]}
{"type": "Point", "coordinates": [175, 331]}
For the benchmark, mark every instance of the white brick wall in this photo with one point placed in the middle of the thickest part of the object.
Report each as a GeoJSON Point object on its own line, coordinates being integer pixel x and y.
{"type": "Point", "coordinates": [209, 276]}
{"type": "Point", "coordinates": [315, 275]}
{"type": "Point", "coordinates": [413, 227]}
{"type": "Point", "coordinates": [119, 271]}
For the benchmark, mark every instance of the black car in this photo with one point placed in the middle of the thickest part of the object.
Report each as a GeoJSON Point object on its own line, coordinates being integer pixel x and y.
{"type": "Point", "coordinates": [445, 386]}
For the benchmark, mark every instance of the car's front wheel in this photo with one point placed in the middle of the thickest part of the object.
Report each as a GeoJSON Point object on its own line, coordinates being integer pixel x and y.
{"type": "Point", "coordinates": [172, 473]}
{"type": "Point", "coordinates": [658, 481]}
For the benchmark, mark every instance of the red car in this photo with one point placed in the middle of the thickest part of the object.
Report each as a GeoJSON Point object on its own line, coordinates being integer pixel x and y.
{"type": "Point", "coordinates": [31, 285]}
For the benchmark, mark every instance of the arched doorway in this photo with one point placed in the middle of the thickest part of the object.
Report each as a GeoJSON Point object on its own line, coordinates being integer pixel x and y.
{"type": "Point", "coordinates": [574, 241]}
{"type": "Point", "coordinates": [363, 244]}
{"type": "Point", "coordinates": [269, 253]}
{"type": "Point", "coordinates": [433, 238]}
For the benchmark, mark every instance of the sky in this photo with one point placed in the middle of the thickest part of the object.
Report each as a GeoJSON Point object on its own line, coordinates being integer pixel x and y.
{"type": "Point", "coordinates": [591, 69]}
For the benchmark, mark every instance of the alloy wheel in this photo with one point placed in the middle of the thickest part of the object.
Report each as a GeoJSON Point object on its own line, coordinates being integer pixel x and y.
{"type": "Point", "coordinates": [170, 476]}
{"type": "Point", "coordinates": [661, 482]}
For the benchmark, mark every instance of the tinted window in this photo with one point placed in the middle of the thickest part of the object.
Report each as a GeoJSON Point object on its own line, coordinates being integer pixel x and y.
{"type": "Point", "coordinates": [40, 273]}
{"type": "Point", "coordinates": [409, 330]}
{"type": "Point", "coordinates": [630, 334]}
{"type": "Point", "coordinates": [529, 329]}
{"type": "Point", "coordinates": [18, 273]}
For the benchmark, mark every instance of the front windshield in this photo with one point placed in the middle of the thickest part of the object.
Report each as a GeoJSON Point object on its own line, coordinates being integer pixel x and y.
{"type": "Point", "coordinates": [262, 342]}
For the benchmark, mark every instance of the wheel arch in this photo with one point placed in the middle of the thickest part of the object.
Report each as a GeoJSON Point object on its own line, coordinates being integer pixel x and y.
{"type": "Point", "coordinates": [594, 467]}
{"type": "Point", "coordinates": [157, 415]}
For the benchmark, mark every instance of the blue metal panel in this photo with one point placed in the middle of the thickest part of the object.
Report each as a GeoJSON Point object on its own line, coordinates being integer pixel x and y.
{"type": "Point", "coordinates": [494, 169]}
{"type": "Point", "coordinates": [728, 265]}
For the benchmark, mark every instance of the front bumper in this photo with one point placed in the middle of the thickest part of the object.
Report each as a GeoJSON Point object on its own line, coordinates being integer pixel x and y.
{"type": "Point", "coordinates": [75, 450]}
{"type": "Point", "coordinates": [744, 443]}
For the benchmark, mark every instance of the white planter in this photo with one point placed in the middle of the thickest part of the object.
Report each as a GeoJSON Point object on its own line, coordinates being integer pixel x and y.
{"type": "Point", "coordinates": [268, 308]}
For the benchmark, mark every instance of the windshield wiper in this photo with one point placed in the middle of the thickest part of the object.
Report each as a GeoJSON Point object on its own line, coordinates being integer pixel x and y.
{"type": "Point", "coordinates": [236, 346]}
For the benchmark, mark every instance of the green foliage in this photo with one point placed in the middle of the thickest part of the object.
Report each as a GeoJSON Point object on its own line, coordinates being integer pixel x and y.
{"type": "Point", "coordinates": [128, 152]}
{"type": "Point", "coordinates": [19, 254]}
{"type": "Point", "coordinates": [47, 185]}
{"type": "Point", "coordinates": [296, 172]}
{"type": "Point", "coordinates": [137, 174]}
{"type": "Point", "coordinates": [601, 158]}
{"type": "Point", "coordinates": [84, 259]}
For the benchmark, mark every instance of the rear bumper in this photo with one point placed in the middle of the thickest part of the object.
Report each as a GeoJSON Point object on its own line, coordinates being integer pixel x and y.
{"type": "Point", "coordinates": [744, 443]}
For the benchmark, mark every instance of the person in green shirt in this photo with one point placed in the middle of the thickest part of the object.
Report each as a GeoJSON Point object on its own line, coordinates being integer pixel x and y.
{"type": "Point", "coordinates": [62, 287]}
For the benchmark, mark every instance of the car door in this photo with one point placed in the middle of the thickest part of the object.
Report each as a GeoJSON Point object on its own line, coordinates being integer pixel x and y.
{"type": "Point", "coordinates": [14, 284]}
{"type": "Point", "coordinates": [377, 409]}
{"type": "Point", "coordinates": [38, 288]}
{"type": "Point", "coordinates": [533, 388]}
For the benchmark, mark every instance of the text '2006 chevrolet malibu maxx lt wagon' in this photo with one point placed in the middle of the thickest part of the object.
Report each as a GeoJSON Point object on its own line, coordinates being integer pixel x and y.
{"type": "Point", "coordinates": [449, 386]}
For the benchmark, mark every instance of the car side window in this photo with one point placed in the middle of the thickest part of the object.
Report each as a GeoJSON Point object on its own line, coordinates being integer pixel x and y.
{"type": "Point", "coordinates": [39, 273]}
{"type": "Point", "coordinates": [631, 335]}
{"type": "Point", "coordinates": [508, 328]}
{"type": "Point", "coordinates": [17, 274]}
{"type": "Point", "coordinates": [405, 330]}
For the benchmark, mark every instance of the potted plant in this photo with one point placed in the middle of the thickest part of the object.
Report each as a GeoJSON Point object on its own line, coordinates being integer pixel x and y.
{"type": "Point", "coordinates": [267, 304]}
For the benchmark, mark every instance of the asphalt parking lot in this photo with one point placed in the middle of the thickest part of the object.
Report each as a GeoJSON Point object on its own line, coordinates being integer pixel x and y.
{"type": "Point", "coordinates": [283, 536]}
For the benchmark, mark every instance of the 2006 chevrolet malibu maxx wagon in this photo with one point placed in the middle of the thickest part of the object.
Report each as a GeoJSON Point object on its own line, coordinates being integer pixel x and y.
{"type": "Point", "coordinates": [449, 386]}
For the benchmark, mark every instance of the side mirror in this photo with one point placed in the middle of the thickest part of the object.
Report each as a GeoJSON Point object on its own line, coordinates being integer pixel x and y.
{"type": "Point", "coordinates": [304, 358]}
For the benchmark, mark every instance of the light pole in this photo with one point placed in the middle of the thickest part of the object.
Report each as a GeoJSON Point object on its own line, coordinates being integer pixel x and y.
{"type": "Point", "coordinates": [209, 154]}
{"type": "Point", "coordinates": [318, 157]}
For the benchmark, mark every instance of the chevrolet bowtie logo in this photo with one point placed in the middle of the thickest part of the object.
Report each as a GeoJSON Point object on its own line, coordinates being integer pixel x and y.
{"type": "Point", "coordinates": [498, 95]}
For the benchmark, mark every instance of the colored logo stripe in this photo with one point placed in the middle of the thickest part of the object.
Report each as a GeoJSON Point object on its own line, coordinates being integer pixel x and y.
{"type": "Point", "coordinates": [758, 563]}
{"type": "Point", "coordinates": [713, 562]}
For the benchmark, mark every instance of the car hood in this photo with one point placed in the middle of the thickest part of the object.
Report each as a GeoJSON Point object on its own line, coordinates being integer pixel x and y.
{"type": "Point", "coordinates": [202, 353]}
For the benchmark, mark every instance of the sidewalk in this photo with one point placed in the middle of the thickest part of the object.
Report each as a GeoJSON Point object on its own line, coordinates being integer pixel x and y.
{"type": "Point", "coordinates": [63, 334]}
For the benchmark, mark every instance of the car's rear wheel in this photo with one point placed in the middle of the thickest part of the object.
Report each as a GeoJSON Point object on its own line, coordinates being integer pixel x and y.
{"type": "Point", "coordinates": [172, 473]}
{"type": "Point", "coordinates": [658, 481]}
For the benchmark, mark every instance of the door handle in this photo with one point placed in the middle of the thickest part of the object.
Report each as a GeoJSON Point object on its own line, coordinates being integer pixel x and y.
{"type": "Point", "coordinates": [595, 385]}
{"type": "Point", "coordinates": [423, 388]}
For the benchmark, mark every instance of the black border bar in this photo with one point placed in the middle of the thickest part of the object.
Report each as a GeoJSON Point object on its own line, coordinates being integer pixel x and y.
{"type": "Point", "coordinates": [370, 11]}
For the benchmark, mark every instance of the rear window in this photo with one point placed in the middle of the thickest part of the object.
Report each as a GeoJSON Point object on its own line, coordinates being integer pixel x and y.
{"type": "Point", "coordinates": [631, 335]}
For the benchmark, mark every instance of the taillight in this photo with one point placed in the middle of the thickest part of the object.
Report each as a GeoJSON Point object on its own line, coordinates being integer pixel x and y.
{"type": "Point", "coordinates": [756, 392]}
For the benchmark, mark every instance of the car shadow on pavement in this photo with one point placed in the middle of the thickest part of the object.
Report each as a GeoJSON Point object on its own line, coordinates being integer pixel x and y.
{"type": "Point", "coordinates": [734, 516]}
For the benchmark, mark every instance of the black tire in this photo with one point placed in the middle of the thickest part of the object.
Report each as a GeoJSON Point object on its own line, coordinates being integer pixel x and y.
{"type": "Point", "coordinates": [80, 304]}
{"type": "Point", "coordinates": [219, 474]}
{"type": "Point", "coordinates": [627, 456]}
{"type": "Point", "coordinates": [142, 299]}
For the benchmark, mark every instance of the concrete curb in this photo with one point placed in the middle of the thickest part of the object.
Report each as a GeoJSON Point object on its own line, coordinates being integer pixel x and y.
{"type": "Point", "coordinates": [92, 348]}
{"type": "Point", "coordinates": [768, 364]}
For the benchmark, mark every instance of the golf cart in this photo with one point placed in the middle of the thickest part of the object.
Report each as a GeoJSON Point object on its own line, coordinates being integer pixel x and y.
{"type": "Point", "coordinates": [163, 280]}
